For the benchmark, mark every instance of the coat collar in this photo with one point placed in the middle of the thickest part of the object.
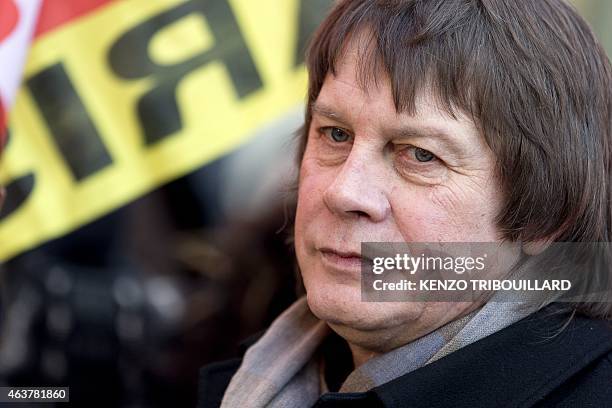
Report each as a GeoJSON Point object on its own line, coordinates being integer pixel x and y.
{"type": "Point", "coordinates": [514, 367]}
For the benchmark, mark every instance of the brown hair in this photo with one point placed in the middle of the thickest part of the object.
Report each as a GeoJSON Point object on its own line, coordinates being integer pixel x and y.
{"type": "Point", "coordinates": [531, 75]}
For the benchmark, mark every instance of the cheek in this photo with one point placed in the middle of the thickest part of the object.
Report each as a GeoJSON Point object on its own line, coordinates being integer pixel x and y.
{"type": "Point", "coordinates": [452, 200]}
{"type": "Point", "coordinates": [313, 182]}
{"type": "Point", "coordinates": [309, 188]}
{"type": "Point", "coordinates": [470, 211]}
{"type": "Point", "coordinates": [444, 213]}
{"type": "Point", "coordinates": [419, 221]}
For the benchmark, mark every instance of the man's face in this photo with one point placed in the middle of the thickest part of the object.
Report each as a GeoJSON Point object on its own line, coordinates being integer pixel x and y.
{"type": "Point", "coordinates": [370, 174]}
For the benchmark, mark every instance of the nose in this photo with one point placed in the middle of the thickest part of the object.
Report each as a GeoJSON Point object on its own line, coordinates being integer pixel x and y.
{"type": "Point", "coordinates": [358, 190]}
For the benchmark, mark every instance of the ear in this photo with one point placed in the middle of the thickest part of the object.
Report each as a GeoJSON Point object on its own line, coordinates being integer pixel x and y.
{"type": "Point", "coordinates": [534, 248]}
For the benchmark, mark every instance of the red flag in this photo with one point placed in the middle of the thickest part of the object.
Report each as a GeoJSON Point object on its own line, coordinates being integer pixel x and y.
{"type": "Point", "coordinates": [17, 22]}
{"type": "Point", "coordinates": [54, 13]}
{"type": "Point", "coordinates": [9, 16]}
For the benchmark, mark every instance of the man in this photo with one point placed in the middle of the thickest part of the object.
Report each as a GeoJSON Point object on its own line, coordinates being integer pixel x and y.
{"type": "Point", "coordinates": [441, 121]}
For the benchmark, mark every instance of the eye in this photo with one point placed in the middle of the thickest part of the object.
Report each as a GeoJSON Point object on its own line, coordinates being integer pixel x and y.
{"type": "Point", "coordinates": [423, 155]}
{"type": "Point", "coordinates": [336, 134]}
{"type": "Point", "coordinates": [418, 164]}
{"type": "Point", "coordinates": [415, 156]}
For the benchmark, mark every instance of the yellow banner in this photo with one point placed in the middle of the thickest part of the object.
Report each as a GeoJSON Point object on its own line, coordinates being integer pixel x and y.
{"type": "Point", "coordinates": [136, 94]}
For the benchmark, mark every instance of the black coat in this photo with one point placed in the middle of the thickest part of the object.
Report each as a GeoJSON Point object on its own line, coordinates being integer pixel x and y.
{"type": "Point", "coordinates": [528, 364]}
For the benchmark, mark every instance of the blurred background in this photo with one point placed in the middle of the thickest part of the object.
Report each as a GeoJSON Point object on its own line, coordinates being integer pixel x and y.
{"type": "Point", "coordinates": [150, 178]}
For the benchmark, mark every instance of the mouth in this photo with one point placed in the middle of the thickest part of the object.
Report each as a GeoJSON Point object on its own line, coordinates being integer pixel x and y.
{"type": "Point", "coordinates": [343, 260]}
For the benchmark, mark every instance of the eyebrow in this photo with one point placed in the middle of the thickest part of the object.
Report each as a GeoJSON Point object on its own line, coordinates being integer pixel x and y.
{"type": "Point", "coordinates": [403, 132]}
{"type": "Point", "coordinates": [328, 112]}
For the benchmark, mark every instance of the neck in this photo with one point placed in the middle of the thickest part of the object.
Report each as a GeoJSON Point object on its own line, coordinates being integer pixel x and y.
{"type": "Point", "coordinates": [361, 355]}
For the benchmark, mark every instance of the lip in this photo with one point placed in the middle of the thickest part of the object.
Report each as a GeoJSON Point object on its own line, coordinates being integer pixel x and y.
{"type": "Point", "coordinates": [342, 260]}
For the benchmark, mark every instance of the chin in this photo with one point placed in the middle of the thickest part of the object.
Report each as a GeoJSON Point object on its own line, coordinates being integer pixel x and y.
{"type": "Point", "coordinates": [341, 307]}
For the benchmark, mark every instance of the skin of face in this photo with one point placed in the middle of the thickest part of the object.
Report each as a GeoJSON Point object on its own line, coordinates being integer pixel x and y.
{"type": "Point", "coordinates": [371, 174]}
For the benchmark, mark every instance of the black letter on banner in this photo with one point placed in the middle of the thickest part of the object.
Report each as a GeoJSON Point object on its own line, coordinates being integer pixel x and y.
{"type": "Point", "coordinates": [68, 121]}
{"type": "Point", "coordinates": [158, 110]}
{"type": "Point", "coordinates": [17, 191]}
{"type": "Point", "coordinates": [311, 15]}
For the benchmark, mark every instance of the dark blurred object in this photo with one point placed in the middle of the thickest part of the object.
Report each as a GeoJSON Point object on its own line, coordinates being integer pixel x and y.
{"type": "Point", "coordinates": [125, 310]}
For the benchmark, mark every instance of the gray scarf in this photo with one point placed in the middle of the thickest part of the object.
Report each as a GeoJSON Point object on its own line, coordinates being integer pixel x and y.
{"type": "Point", "coordinates": [283, 368]}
